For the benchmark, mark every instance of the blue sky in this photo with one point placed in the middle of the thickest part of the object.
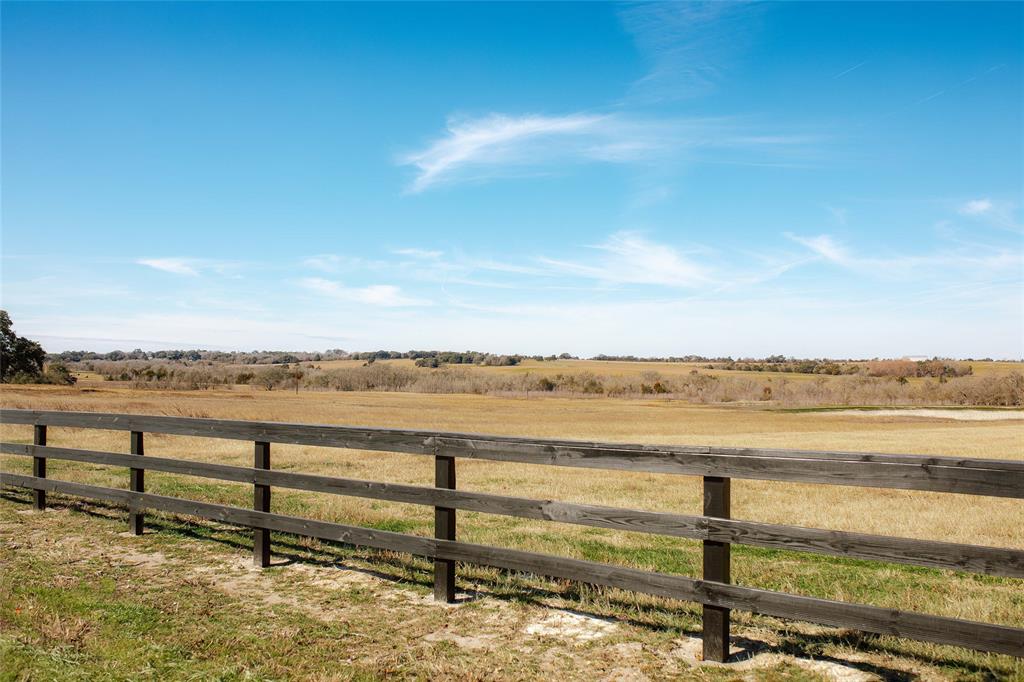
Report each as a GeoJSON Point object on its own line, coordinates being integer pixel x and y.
{"type": "Point", "coordinates": [828, 179]}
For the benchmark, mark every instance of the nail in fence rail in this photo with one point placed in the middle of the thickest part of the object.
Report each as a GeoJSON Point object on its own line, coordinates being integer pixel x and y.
{"type": "Point", "coordinates": [980, 477]}
{"type": "Point", "coordinates": [137, 484]}
{"type": "Point", "coordinates": [444, 529]}
{"type": "Point", "coordinates": [39, 467]}
{"type": "Point", "coordinates": [261, 503]}
{"type": "Point", "coordinates": [716, 567]}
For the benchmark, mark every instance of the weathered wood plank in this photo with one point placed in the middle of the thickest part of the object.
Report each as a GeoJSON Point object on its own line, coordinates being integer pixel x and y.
{"type": "Point", "coordinates": [961, 475]}
{"type": "Point", "coordinates": [444, 529]}
{"type": "Point", "coordinates": [137, 483]}
{"type": "Point", "coordinates": [365, 537]}
{"type": "Point", "coordinates": [975, 558]}
{"type": "Point", "coordinates": [261, 503]}
{"type": "Point", "coordinates": [297, 434]}
{"type": "Point", "coordinates": [716, 560]}
{"type": "Point", "coordinates": [323, 434]}
{"type": "Point", "coordinates": [39, 467]}
{"type": "Point", "coordinates": [1001, 482]}
{"type": "Point", "coordinates": [929, 628]}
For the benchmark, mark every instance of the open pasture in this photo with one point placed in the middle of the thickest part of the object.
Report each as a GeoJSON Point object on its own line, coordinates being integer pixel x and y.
{"type": "Point", "coordinates": [956, 518]}
{"type": "Point", "coordinates": [627, 369]}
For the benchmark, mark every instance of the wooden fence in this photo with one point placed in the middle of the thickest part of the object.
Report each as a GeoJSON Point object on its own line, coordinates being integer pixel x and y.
{"type": "Point", "coordinates": [717, 466]}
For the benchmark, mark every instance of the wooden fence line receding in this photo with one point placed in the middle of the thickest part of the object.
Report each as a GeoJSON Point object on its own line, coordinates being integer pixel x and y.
{"type": "Point", "coordinates": [997, 478]}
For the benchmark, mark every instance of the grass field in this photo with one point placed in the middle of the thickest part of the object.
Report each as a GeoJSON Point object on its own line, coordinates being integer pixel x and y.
{"type": "Point", "coordinates": [646, 631]}
{"type": "Point", "coordinates": [668, 369]}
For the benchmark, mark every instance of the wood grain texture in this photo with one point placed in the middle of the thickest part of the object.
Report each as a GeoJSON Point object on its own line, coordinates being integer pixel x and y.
{"type": "Point", "coordinates": [39, 467]}
{"type": "Point", "coordinates": [716, 559]}
{"type": "Point", "coordinates": [873, 619]}
{"type": "Point", "coordinates": [928, 553]}
{"type": "Point", "coordinates": [444, 529]}
{"type": "Point", "coordinates": [998, 478]}
{"type": "Point", "coordinates": [137, 483]}
{"type": "Point", "coordinates": [261, 503]}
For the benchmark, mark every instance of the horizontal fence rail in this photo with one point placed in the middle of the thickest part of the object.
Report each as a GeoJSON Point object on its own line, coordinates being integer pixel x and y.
{"type": "Point", "coordinates": [975, 558]}
{"type": "Point", "coordinates": [942, 474]}
{"type": "Point", "coordinates": [998, 478]}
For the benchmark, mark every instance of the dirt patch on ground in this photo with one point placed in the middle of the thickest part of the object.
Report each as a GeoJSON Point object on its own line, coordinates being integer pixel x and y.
{"type": "Point", "coordinates": [754, 654]}
{"type": "Point", "coordinates": [572, 626]}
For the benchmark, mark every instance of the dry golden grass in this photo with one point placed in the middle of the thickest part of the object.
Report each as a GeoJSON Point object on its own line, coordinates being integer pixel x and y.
{"type": "Point", "coordinates": [623, 368]}
{"type": "Point", "coordinates": [937, 516]}
{"type": "Point", "coordinates": [615, 368]}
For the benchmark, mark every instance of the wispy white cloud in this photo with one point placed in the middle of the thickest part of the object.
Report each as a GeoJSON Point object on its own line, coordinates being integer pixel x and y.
{"type": "Point", "coordinates": [688, 45]}
{"type": "Point", "coordinates": [176, 266]}
{"type": "Point", "coordinates": [423, 254]}
{"type": "Point", "coordinates": [979, 258]}
{"type": "Point", "coordinates": [630, 258]}
{"type": "Point", "coordinates": [500, 144]}
{"type": "Point", "coordinates": [976, 207]}
{"type": "Point", "coordinates": [1000, 214]}
{"type": "Point", "coordinates": [383, 295]}
{"type": "Point", "coordinates": [332, 263]}
{"type": "Point", "coordinates": [327, 262]}
{"type": "Point", "coordinates": [497, 139]}
{"type": "Point", "coordinates": [824, 247]}
{"type": "Point", "coordinates": [194, 267]}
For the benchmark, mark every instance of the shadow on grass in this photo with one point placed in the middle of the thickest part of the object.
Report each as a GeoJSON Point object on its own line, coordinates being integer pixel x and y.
{"type": "Point", "coordinates": [503, 585]}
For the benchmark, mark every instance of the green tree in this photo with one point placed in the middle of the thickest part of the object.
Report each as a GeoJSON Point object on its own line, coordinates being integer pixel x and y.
{"type": "Point", "coordinates": [19, 357]}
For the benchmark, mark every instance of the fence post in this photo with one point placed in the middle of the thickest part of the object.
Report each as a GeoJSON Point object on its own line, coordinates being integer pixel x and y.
{"type": "Point", "coordinates": [261, 502]}
{"type": "Point", "coordinates": [39, 468]}
{"type": "Point", "coordinates": [444, 529]}
{"type": "Point", "coordinates": [716, 567]}
{"type": "Point", "coordinates": [137, 484]}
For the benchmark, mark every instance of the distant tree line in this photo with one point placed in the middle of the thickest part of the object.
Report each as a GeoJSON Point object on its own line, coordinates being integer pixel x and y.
{"type": "Point", "coordinates": [935, 367]}
{"type": "Point", "coordinates": [901, 369]}
{"type": "Point", "coordinates": [671, 358]}
{"type": "Point", "coordinates": [264, 357]}
{"type": "Point", "coordinates": [256, 357]}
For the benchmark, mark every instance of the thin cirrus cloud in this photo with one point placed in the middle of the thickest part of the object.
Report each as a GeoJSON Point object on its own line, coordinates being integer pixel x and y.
{"type": "Point", "coordinates": [977, 207]}
{"type": "Point", "coordinates": [495, 145]}
{"type": "Point", "coordinates": [175, 266]}
{"type": "Point", "coordinates": [327, 262]}
{"type": "Point", "coordinates": [980, 258]}
{"type": "Point", "coordinates": [1000, 214]}
{"type": "Point", "coordinates": [422, 254]}
{"type": "Point", "coordinates": [381, 295]}
{"type": "Point", "coordinates": [331, 263]}
{"type": "Point", "coordinates": [688, 46]}
{"type": "Point", "coordinates": [630, 258]}
{"type": "Point", "coordinates": [499, 140]}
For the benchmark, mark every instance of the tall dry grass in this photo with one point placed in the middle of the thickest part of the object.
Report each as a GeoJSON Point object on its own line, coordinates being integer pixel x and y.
{"type": "Point", "coordinates": [996, 390]}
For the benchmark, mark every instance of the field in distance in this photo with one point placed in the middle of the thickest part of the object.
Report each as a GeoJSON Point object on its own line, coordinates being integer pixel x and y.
{"type": "Point", "coordinates": [630, 368]}
{"type": "Point", "coordinates": [787, 383]}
